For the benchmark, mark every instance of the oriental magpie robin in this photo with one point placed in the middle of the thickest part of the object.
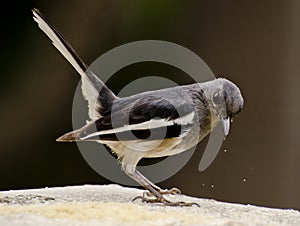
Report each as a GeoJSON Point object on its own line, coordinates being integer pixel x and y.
{"type": "Point", "coordinates": [150, 124]}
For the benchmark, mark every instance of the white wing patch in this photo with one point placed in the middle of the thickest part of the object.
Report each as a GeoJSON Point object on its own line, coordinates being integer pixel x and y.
{"type": "Point", "coordinates": [187, 119]}
{"type": "Point", "coordinates": [152, 124]}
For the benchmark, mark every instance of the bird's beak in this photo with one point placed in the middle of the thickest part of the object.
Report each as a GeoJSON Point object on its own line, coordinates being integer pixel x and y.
{"type": "Point", "coordinates": [226, 125]}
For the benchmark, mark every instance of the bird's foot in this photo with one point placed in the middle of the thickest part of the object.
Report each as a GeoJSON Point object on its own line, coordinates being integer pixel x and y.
{"type": "Point", "coordinates": [172, 191]}
{"type": "Point", "coordinates": [145, 198]}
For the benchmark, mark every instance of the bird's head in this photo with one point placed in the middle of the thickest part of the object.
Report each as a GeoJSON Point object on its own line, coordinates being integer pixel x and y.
{"type": "Point", "coordinates": [225, 101]}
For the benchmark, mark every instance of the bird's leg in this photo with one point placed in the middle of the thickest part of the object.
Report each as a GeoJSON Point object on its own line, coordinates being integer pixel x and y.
{"type": "Point", "coordinates": [158, 197]}
{"type": "Point", "coordinates": [172, 191]}
{"type": "Point", "coordinates": [135, 175]}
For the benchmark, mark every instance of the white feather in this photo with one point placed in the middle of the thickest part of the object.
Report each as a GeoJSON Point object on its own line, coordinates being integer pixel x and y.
{"type": "Point", "coordinates": [152, 124]}
{"type": "Point", "coordinates": [91, 95]}
{"type": "Point", "coordinates": [88, 90]}
{"type": "Point", "coordinates": [43, 25]}
{"type": "Point", "coordinates": [185, 119]}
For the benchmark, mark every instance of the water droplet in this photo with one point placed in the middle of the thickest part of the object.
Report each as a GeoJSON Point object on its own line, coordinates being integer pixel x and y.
{"type": "Point", "coordinates": [225, 150]}
{"type": "Point", "coordinates": [212, 186]}
{"type": "Point", "coordinates": [245, 180]}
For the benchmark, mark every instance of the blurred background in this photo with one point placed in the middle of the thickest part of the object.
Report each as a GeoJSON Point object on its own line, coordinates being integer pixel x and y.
{"type": "Point", "coordinates": [256, 44]}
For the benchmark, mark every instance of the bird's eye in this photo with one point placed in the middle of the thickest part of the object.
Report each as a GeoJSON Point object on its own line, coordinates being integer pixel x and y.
{"type": "Point", "coordinates": [217, 99]}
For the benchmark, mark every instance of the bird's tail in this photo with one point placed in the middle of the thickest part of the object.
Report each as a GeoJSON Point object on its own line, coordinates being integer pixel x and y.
{"type": "Point", "coordinates": [99, 96]}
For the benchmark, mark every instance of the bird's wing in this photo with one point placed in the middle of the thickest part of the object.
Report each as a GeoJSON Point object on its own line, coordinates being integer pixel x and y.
{"type": "Point", "coordinates": [92, 86]}
{"type": "Point", "coordinates": [148, 117]}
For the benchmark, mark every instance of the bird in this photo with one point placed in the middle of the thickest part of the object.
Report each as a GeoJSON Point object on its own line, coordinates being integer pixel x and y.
{"type": "Point", "coordinates": [150, 124]}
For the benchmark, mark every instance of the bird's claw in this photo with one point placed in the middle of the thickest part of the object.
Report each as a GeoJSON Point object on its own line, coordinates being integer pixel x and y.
{"type": "Point", "coordinates": [145, 198]}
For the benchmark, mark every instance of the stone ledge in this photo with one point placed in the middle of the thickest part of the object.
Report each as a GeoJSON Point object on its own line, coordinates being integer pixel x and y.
{"type": "Point", "coordinates": [111, 205]}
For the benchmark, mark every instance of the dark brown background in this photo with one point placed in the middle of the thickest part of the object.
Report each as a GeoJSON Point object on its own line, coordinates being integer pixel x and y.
{"type": "Point", "coordinates": [253, 43]}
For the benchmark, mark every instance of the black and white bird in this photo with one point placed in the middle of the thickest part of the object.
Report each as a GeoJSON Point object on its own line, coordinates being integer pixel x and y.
{"type": "Point", "coordinates": [150, 124]}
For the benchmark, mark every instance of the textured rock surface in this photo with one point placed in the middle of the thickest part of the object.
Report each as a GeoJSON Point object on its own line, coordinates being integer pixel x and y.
{"type": "Point", "coordinates": [111, 205]}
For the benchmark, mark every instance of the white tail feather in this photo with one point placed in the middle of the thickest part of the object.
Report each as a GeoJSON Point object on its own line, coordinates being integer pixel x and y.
{"type": "Point", "coordinates": [56, 41]}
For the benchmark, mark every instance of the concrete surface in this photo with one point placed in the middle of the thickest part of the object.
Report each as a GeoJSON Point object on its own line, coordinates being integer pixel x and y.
{"type": "Point", "coordinates": [111, 205]}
